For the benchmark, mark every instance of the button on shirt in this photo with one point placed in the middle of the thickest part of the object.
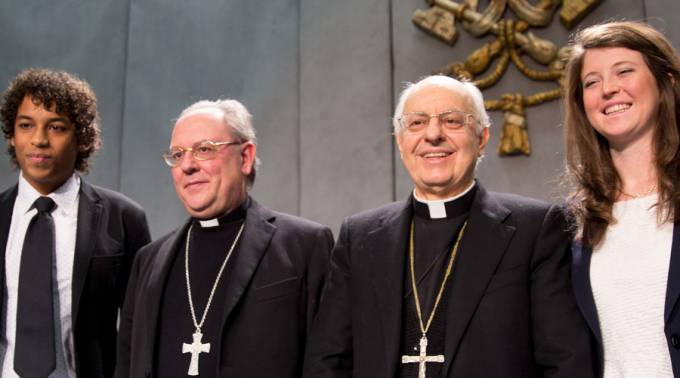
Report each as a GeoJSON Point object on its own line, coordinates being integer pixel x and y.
{"type": "Point", "coordinates": [65, 222]}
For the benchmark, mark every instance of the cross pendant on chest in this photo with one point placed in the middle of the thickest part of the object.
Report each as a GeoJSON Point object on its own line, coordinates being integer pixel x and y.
{"type": "Point", "coordinates": [195, 348]}
{"type": "Point", "coordinates": [422, 358]}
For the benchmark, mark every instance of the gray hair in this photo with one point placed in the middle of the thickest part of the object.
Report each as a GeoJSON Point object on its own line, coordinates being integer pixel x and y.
{"type": "Point", "coordinates": [472, 94]}
{"type": "Point", "coordinates": [235, 116]}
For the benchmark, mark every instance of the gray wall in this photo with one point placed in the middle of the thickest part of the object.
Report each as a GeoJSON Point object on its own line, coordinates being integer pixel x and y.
{"type": "Point", "coordinates": [320, 77]}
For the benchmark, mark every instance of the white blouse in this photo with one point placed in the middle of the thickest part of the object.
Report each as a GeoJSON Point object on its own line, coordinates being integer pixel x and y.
{"type": "Point", "coordinates": [628, 274]}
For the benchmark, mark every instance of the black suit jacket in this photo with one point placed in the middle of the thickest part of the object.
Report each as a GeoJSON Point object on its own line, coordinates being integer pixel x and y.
{"type": "Point", "coordinates": [510, 309]}
{"type": "Point", "coordinates": [274, 281]}
{"type": "Point", "coordinates": [584, 297]}
{"type": "Point", "coordinates": [111, 228]}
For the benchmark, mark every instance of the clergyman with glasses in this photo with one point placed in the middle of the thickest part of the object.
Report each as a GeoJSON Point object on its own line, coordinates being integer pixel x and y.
{"type": "Point", "coordinates": [454, 281]}
{"type": "Point", "coordinates": [232, 292]}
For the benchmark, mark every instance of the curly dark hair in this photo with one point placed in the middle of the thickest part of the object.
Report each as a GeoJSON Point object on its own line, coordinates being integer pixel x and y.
{"type": "Point", "coordinates": [589, 162]}
{"type": "Point", "coordinates": [63, 93]}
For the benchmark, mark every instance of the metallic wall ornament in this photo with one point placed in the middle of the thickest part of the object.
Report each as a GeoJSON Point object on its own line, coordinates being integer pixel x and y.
{"type": "Point", "coordinates": [513, 40]}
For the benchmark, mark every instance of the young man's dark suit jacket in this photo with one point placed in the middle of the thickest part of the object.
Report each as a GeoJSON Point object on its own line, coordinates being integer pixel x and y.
{"type": "Point", "coordinates": [274, 282]}
{"type": "Point", "coordinates": [110, 230]}
{"type": "Point", "coordinates": [511, 312]}
{"type": "Point", "coordinates": [584, 297]}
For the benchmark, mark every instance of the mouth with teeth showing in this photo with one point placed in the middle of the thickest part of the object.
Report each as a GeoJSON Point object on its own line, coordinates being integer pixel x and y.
{"type": "Point", "coordinates": [435, 155]}
{"type": "Point", "coordinates": [615, 109]}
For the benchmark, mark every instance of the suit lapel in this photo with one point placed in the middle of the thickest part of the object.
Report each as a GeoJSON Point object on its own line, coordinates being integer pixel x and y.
{"type": "Point", "coordinates": [89, 214]}
{"type": "Point", "coordinates": [482, 247]}
{"type": "Point", "coordinates": [7, 199]}
{"type": "Point", "coordinates": [673, 288]}
{"type": "Point", "coordinates": [255, 239]}
{"type": "Point", "coordinates": [580, 281]}
{"type": "Point", "coordinates": [386, 250]}
{"type": "Point", "coordinates": [158, 273]}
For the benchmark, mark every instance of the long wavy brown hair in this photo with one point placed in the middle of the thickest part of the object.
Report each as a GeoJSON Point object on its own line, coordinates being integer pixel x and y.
{"type": "Point", "coordinates": [589, 163]}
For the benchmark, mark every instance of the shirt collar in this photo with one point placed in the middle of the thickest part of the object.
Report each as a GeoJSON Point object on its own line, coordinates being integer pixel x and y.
{"type": "Point", "coordinates": [234, 215]}
{"type": "Point", "coordinates": [64, 196]}
{"type": "Point", "coordinates": [447, 207]}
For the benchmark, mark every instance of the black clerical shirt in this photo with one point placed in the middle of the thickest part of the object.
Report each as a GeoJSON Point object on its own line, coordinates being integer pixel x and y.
{"type": "Point", "coordinates": [433, 242]}
{"type": "Point", "coordinates": [208, 248]}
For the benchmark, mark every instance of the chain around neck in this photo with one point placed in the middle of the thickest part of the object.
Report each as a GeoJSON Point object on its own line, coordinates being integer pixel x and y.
{"type": "Point", "coordinates": [639, 195]}
{"type": "Point", "coordinates": [424, 327]}
{"type": "Point", "coordinates": [197, 324]}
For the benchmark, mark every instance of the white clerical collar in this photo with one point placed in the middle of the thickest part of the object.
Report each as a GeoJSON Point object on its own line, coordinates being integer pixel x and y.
{"type": "Point", "coordinates": [209, 223]}
{"type": "Point", "coordinates": [236, 214]}
{"type": "Point", "coordinates": [438, 207]}
{"type": "Point", "coordinates": [64, 196]}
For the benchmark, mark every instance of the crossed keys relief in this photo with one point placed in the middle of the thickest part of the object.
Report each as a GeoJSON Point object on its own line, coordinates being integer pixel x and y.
{"type": "Point", "coordinates": [513, 41]}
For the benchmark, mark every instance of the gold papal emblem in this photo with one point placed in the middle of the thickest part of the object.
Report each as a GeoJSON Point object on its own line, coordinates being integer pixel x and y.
{"type": "Point", "coordinates": [513, 40]}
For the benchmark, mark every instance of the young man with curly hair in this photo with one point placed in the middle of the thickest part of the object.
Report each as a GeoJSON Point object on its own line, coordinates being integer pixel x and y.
{"type": "Point", "coordinates": [66, 246]}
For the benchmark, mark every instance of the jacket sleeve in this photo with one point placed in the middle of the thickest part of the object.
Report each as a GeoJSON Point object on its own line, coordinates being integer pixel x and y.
{"type": "Point", "coordinates": [562, 346]}
{"type": "Point", "coordinates": [126, 321]}
{"type": "Point", "coordinates": [329, 347]}
{"type": "Point", "coordinates": [136, 236]}
{"type": "Point", "coordinates": [317, 269]}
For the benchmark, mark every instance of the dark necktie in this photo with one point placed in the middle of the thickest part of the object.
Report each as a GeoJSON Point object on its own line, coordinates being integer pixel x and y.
{"type": "Point", "coordinates": [34, 354]}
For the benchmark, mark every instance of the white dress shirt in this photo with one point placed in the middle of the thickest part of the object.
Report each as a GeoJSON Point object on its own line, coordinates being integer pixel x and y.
{"type": "Point", "coordinates": [65, 217]}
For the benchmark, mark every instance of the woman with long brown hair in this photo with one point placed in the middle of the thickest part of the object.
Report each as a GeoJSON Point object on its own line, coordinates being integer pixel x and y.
{"type": "Point", "coordinates": [622, 134]}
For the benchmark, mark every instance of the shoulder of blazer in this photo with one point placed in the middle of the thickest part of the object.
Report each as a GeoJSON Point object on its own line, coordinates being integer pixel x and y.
{"type": "Point", "coordinates": [147, 252]}
{"type": "Point", "coordinates": [6, 207]}
{"type": "Point", "coordinates": [9, 193]}
{"type": "Point", "coordinates": [284, 221]}
{"type": "Point", "coordinates": [7, 198]}
{"type": "Point", "coordinates": [98, 194]}
{"type": "Point", "coordinates": [504, 203]}
{"type": "Point", "coordinates": [379, 216]}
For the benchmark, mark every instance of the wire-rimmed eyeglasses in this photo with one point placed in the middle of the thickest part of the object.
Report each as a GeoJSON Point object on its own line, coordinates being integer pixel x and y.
{"type": "Point", "coordinates": [203, 150]}
{"type": "Point", "coordinates": [449, 120]}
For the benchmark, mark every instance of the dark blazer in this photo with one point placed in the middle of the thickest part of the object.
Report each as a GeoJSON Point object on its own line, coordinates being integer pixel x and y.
{"type": "Point", "coordinates": [111, 228]}
{"type": "Point", "coordinates": [274, 281]}
{"type": "Point", "coordinates": [580, 275]}
{"type": "Point", "coordinates": [510, 309]}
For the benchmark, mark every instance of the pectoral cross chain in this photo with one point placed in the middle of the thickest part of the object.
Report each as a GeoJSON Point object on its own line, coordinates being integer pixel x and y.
{"type": "Point", "coordinates": [422, 358]}
{"type": "Point", "coordinates": [195, 348]}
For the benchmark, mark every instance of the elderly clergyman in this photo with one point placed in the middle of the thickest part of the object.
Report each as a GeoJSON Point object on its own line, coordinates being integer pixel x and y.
{"type": "Point", "coordinates": [455, 281]}
{"type": "Point", "coordinates": [233, 291]}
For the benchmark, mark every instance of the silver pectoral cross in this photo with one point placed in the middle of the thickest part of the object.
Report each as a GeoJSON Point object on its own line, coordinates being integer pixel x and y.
{"type": "Point", "coordinates": [422, 358]}
{"type": "Point", "coordinates": [195, 348]}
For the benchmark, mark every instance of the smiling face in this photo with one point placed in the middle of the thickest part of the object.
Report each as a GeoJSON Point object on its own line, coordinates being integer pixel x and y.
{"type": "Point", "coordinates": [210, 188]}
{"type": "Point", "coordinates": [45, 145]}
{"type": "Point", "coordinates": [620, 96]}
{"type": "Point", "coordinates": [441, 163]}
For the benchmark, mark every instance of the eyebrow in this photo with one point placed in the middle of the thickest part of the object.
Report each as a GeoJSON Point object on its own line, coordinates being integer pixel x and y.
{"type": "Point", "coordinates": [613, 65]}
{"type": "Point", "coordinates": [53, 119]}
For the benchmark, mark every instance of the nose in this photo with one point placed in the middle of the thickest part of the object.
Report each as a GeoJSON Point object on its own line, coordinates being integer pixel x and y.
{"type": "Point", "coordinates": [39, 137]}
{"type": "Point", "coordinates": [610, 87]}
{"type": "Point", "coordinates": [433, 131]}
{"type": "Point", "coordinates": [188, 164]}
